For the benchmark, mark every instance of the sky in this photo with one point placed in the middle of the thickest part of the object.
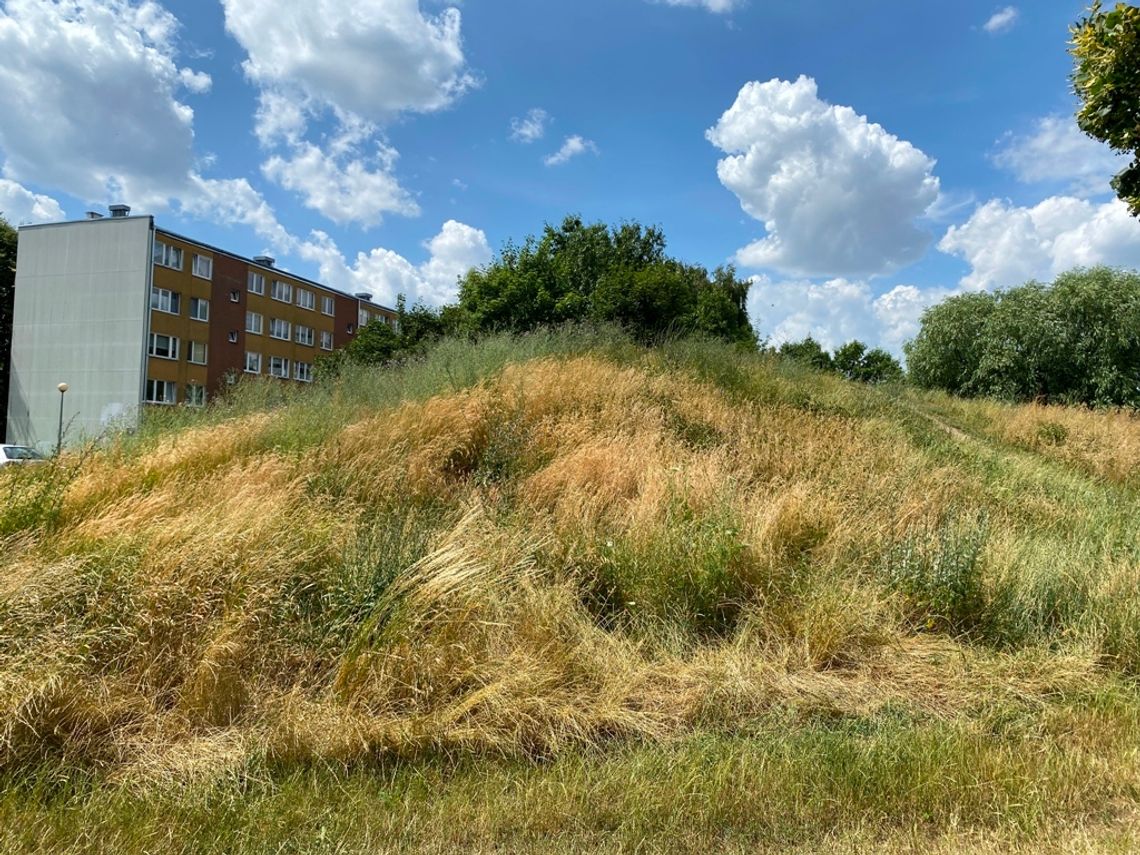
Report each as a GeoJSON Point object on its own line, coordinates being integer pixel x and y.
{"type": "Point", "coordinates": [858, 161]}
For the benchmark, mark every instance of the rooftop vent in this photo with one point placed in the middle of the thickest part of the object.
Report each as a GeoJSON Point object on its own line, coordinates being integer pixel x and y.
{"type": "Point", "coordinates": [119, 210]}
{"type": "Point", "coordinates": [362, 295]}
{"type": "Point", "coordinates": [264, 260]}
{"type": "Point", "coordinates": [93, 215]}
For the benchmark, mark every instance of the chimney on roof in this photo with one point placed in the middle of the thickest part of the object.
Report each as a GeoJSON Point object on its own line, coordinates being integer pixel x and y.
{"type": "Point", "coordinates": [119, 210]}
{"type": "Point", "coordinates": [363, 295]}
{"type": "Point", "coordinates": [93, 215]}
{"type": "Point", "coordinates": [264, 260]}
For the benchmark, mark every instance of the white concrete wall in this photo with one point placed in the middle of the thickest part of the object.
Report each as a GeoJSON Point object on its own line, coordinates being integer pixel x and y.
{"type": "Point", "coordinates": [82, 305]}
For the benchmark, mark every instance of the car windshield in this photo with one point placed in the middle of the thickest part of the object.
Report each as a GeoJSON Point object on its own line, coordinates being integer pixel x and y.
{"type": "Point", "coordinates": [19, 452]}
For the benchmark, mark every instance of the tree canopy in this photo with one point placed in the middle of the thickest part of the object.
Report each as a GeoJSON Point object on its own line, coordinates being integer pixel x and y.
{"type": "Point", "coordinates": [593, 272]}
{"type": "Point", "coordinates": [1075, 341]}
{"type": "Point", "coordinates": [853, 360]}
{"type": "Point", "coordinates": [1106, 51]}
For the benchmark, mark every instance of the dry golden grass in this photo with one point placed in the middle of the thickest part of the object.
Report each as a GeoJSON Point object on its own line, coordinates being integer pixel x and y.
{"type": "Point", "coordinates": [572, 553]}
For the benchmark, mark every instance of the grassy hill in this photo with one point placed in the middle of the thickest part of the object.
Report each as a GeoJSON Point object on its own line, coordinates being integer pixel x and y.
{"type": "Point", "coordinates": [560, 593]}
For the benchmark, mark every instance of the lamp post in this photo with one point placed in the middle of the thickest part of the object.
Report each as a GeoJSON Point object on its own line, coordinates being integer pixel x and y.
{"type": "Point", "coordinates": [59, 440]}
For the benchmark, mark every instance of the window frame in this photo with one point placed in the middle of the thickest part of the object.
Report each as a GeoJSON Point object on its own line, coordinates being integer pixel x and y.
{"type": "Point", "coordinates": [260, 323]}
{"type": "Point", "coordinates": [199, 301]}
{"type": "Point", "coordinates": [197, 259]}
{"type": "Point", "coordinates": [284, 362]}
{"type": "Point", "coordinates": [255, 276]}
{"type": "Point", "coordinates": [163, 253]}
{"type": "Point", "coordinates": [328, 305]}
{"type": "Point", "coordinates": [288, 291]}
{"type": "Point", "coordinates": [173, 301]}
{"type": "Point", "coordinates": [308, 372]}
{"type": "Point", "coordinates": [306, 299]}
{"type": "Point", "coordinates": [167, 385]}
{"type": "Point", "coordinates": [326, 336]}
{"type": "Point", "coordinates": [288, 329]}
{"type": "Point", "coordinates": [189, 399]}
{"type": "Point", "coordinates": [190, 345]}
{"type": "Point", "coordinates": [247, 369]}
{"type": "Point", "coordinates": [303, 335]}
{"type": "Point", "coordinates": [173, 349]}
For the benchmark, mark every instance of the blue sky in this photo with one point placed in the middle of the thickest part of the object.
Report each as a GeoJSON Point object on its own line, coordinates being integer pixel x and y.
{"type": "Point", "coordinates": [858, 160]}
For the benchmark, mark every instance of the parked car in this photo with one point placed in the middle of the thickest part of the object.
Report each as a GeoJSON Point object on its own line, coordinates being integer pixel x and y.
{"type": "Point", "coordinates": [10, 454]}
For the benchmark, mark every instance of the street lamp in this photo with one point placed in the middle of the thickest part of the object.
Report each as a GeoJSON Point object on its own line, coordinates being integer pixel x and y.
{"type": "Point", "coordinates": [59, 441]}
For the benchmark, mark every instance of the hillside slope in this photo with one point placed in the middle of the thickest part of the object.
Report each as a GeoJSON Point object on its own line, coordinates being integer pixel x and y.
{"type": "Point", "coordinates": [535, 551]}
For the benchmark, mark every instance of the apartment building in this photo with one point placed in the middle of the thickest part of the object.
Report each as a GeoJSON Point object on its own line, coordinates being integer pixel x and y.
{"type": "Point", "coordinates": [129, 314]}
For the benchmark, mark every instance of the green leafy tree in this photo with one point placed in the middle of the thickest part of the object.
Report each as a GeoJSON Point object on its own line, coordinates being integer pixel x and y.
{"type": "Point", "coordinates": [1075, 341]}
{"type": "Point", "coordinates": [948, 348]}
{"type": "Point", "coordinates": [578, 272]}
{"type": "Point", "coordinates": [807, 352]}
{"type": "Point", "coordinates": [855, 362]}
{"type": "Point", "coordinates": [1106, 52]}
{"type": "Point", "coordinates": [8, 238]}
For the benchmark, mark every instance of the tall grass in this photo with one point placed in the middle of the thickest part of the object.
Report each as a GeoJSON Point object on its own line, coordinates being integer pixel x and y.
{"type": "Point", "coordinates": [556, 547]}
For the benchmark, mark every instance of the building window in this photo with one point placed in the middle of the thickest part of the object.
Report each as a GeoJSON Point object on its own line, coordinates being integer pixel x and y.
{"type": "Point", "coordinates": [279, 329]}
{"type": "Point", "coordinates": [233, 336]}
{"type": "Point", "coordinates": [328, 306]}
{"type": "Point", "coordinates": [278, 367]}
{"type": "Point", "coordinates": [252, 362]}
{"type": "Point", "coordinates": [165, 301]}
{"type": "Point", "coordinates": [350, 329]}
{"type": "Point", "coordinates": [326, 340]}
{"type": "Point", "coordinates": [256, 283]}
{"type": "Point", "coordinates": [167, 255]}
{"type": "Point", "coordinates": [163, 346]}
{"type": "Point", "coordinates": [254, 323]}
{"type": "Point", "coordinates": [304, 335]}
{"type": "Point", "coordinates": [196, 352]}
{"type": "Point", "coordinates": [203, 266]}
{"type": "Point", "coordinates": [235, 296]}
{"type": "Point", "coordinates": [364, 318]}
{"type": "Point", "coordinates": [282, 291]}
{"type": "Point", "coordinates": [199, 309]}
{"type": "Point", "coordinates": [161, 392]}
{"type": "Point", "coordinates": [195, 396]}
{"type": "Point", "coordinates": [306, 299]}
{"type": "Point", "coordinates": [303, 371]}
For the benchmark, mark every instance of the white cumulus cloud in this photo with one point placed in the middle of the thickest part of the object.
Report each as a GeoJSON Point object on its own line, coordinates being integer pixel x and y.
{"type": "Point", "coordinates": [385, 274]}
{"type": "Point", "coordinates": [531, 127]}
{"type": "Point", "coordinates": [1057, 151]}
{"type": "Point", "coordinates": [1002, 21]}
{"type": "Point", "coordinates": [571, 148]}
{"type": "Point", "coordinates": [343, 190]}
{"type": "Point", "coordinates": [837, 311]}
{"type": "Point", "coordinates": [96, 87]}
{"type": "Point", "coordinates": [838, 195]}
{"type": "Point", "coordinates": [375, 58]}
{"type": "Point", "coordinates": [1006, 245]}
{"type": "Point", "coordinates": [19, 205]}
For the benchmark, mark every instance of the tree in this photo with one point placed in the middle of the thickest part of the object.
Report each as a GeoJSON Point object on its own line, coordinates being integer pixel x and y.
{"type": "Point", "coordinates": [621, 274]}
{"type": "Point", "coordinates": [808, 352]}
{"type": "Point", "coordinates": [1074, 341]}
{"type": "Point", "coordinates": [874, 366]}
{"type": "Point", "coordinates": [1106, 77]}
{"type": "Point", "coordinates": [8, 239]}
{"type": "Point", "coordinates": [948, 348]}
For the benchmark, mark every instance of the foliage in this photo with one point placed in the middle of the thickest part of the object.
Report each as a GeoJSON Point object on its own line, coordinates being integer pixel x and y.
{"type": "Point", "coordinates": [1075, 341]}
{"type": "Point", "coordinates": [853, 360]}
{"type": "Point", "coordinates": [577, 272]}
{"type": "Point", "coordinates": [1106, 50]}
